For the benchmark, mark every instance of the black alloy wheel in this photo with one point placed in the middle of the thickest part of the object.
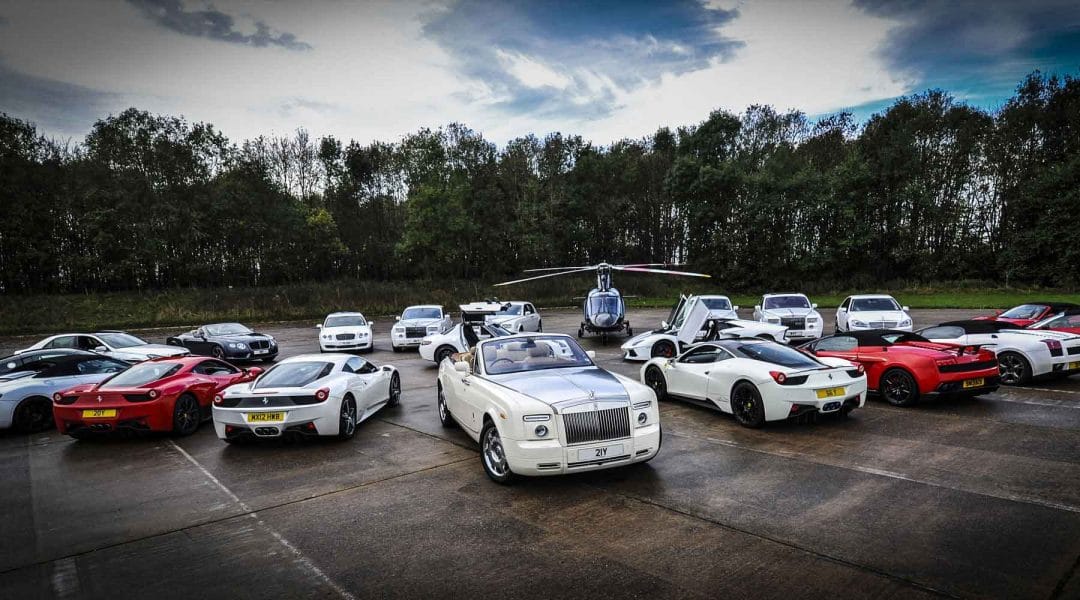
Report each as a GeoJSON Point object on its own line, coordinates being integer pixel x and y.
{"type": "Point", "coordinates": [747, 406]}
{"type": "Point", "coordinates": [186, 415]}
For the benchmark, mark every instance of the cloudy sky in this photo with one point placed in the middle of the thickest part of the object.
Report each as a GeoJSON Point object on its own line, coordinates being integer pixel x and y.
{"type": "Point", "coordinates": [604, 69]}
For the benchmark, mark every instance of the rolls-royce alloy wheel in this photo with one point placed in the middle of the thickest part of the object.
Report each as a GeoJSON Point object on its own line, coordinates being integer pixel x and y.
{"type": "Point", "coordinates": [1014, 368]}
{"type": "Point", "coordinates": [444, 413]}
{"type": "Point", "coordinates": [347, 418]}
{"type": "Point", "coordinates": [493, 456]}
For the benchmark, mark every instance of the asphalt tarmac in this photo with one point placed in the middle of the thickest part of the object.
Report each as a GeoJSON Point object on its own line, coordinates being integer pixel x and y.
{"type": "Point", "coordinates": [952, 498]}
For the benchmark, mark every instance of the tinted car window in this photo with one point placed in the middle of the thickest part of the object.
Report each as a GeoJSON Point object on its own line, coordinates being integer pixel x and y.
{"type": "Point", "coordinates": [717, 303]}
{"type": "Point", "coordinates": [95, 366]}
{"type": "Point", "coordinates": [422, 313]}
{"type": "Point", "coordinates": [774, 302]}
{"type": "Point", "coordinates": [214, 367]}
{"type": "Point", "coordinates": [840, 343]}
{"type": "Point", "coordinates": [705, 354]}
{"type": "Point", "coordinates": [942, 333]}
{"type": "Point", "coordinates": [64, 341]}
{"type": "Point", "coordinates": [869, 304]}
{"type": "Point", "coordinates": [296, 374]}
{"type": "Point", "coordinates": [142, 374]}
{"type": "Point", "coordinates": [778, 355]}
{"type": "Point", "coordinates": [345, 321]}
{"type": "Point", "coordinates": [121, 340]}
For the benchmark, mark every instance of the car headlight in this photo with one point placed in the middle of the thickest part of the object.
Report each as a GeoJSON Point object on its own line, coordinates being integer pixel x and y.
{"type": "Point", "coordinates": [811, 320]}
{"type": "Point", "coordinates": [773, 320]}
{"type": "Point", "coordinates": [327, 337]}
{"type": "Point", "coordinates": [857, 324]}
{"type": "Point", "coordinates": [432, 328]}
{"type": "Point", "coordinates": [642, 418]}
{"type": "Point", "coordinates": [905, 323]}
{"type": "Point", "coordinates": [399, 330]}
{"type": "Point", "coordinates": [541, 431]}
{"type": "Point", "coordinates": [238, 345]}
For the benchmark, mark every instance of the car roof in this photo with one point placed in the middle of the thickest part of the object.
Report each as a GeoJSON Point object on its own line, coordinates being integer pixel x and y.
{"type": "Point", "coordinates": [422, 306]}
{"type": "Point", "coordinates": [876, 337]}
{"type": "Point", "coordinates": [1054, 306]}
{"type": "Point", "coordinates": [980, 325]}
{"type": "Point", "coordinates": [52, 351]}
{"type": "Point", "coordinates": [770, 294]}
{"type": "Point", "coordinates": [331, 357]}
{"type": "Point", "coordinates": [861, 296]}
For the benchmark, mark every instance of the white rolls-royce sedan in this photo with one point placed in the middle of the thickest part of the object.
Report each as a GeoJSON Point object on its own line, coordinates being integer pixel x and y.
{"type": "Point", "coordinates": [538, 405]}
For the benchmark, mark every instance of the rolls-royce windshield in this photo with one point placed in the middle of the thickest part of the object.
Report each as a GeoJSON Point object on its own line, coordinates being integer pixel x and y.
{"type": "Point", "coordinates": [516, 355]}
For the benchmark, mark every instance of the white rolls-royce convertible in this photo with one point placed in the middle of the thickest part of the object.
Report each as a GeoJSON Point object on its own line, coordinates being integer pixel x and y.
{"type": "Point", "coordinates": [538, 405]}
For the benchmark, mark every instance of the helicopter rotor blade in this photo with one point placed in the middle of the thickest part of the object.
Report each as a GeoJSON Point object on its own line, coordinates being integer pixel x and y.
{"type": "Point", "coordinates": [651, 265]}
{"type": "Point", "coordinates": [558, 269]}
{"type": "Point", "coordinates": [664, 271]}
{"type": "Point", "coordinates": [545, 276]}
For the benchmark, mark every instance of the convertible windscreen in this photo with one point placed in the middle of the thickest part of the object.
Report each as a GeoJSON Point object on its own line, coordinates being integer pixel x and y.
{"type": "Point", "coordinates": [121, 340]}
{"type": "Point", "coordinates": [786, 302]}
{"type": "Point", "coordinates": [778, 355]}
{"type": "Point", "coordinates": [532, 354]}
{"type": "Point", "coordinates": [297, 374]}
{"type": "Point", "coordinates": [1024, 311]}
{"type": "Point", "coordinates": [869, 304]}
{"type": "Point", "coordinates": [142, 374]}
{"type": "Point", "coordinates": [227, 329]}
{"type": "Point", "coordinates": [345, 321]}
{"type": "Point", "coordinates": [421, 313]}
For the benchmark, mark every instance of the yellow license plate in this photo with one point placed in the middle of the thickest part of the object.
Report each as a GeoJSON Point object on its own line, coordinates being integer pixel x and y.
{"type": "Point", "coordinates": [99, 413]}
{"type": "Point", "coordinates": [1073, 365]}
{"type": "Point", "coordinates": [830, 393]}
{"type": "Point", "coordinates": [970, 383]}
{"type": "Point", "coordinates": [266, 417]}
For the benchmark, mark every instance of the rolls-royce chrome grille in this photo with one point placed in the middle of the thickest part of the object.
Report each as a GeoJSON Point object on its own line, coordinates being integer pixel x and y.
{"type": "Point", "coordinates": [415, 332]}
{"type": "Point", "coordinates": [596, 425]}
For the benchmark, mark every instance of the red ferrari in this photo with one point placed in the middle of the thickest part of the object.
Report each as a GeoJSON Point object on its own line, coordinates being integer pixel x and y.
{"type": "Point", "coordinates": [905, 367]}
{"type": "Point", "coordinates": [1030, 313]}
{"type": "Point", "coordinates": [1067, 320]}
{"type": "Point", "coordinates": [162, 394]}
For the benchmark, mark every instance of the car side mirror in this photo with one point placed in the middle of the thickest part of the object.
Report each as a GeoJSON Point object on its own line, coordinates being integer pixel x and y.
{"type": "Point", "coordinates": [397, 318]}
{"type": "Point", "coordinates": [905, 308]}
{"type": "Point", "coordinates": [590, 353]}
{"type": "Point", "coordinates": [371, 323]}
{"type": "Point", "coordinates": [254, 371]}
{"type": "Point", "coordinates": [664, 324]}
{"type": "Point", "coordinates": [100, 349]}
{"type": "Point", "coordinates": [736, 307]}
{"type": "Point", "coordinates": [318, 326]}
{"type": "Point", "coordinates": [814, 305]}
{"type": "Point", "coordinates": [461, 366]}
{"type": "Point", "coordinates": [757, 307]}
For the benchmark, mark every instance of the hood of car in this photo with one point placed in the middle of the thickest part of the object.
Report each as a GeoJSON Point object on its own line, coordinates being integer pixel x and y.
{"type": "Point", "coordinates": [242, 337]}
{"type": "Point", "coordinates": [417, 322]}
{"type": "Point", "coordinates": [552, 386]}
{"type": "Point", "coordinates": [353, 329]}
{"type": "Point", "coordinates": [789, 312]}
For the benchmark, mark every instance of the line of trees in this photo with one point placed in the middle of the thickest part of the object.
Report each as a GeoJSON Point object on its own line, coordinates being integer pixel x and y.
{"type": "Point", "coordinates": [930, 189]}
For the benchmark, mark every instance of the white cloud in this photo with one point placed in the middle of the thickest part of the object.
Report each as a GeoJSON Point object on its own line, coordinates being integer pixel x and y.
{"type": "Point", "coordinates": [531, 72]}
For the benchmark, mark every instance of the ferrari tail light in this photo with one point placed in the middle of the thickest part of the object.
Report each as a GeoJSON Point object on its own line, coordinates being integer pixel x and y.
{"type": "Point", "coordinates": [322, 394]}
{"type": "Point", "coordinates": [778, 377]}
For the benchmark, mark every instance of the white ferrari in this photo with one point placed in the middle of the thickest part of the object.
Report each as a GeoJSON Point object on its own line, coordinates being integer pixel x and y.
{"type": "Point", "coordinates": [1022, 353]}
{"type": "Point", "coordinates": [695, 323]}
{"type": "Point", "coordinates": [757, 380]}
{"type": "Point", "coordinates": [310, 394]}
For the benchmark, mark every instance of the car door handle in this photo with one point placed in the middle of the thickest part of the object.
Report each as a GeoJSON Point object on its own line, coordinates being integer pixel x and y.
{"type": "Point", "coordinates": [706, 372]}
{"type": "Point", "coordinates": [465, 381]}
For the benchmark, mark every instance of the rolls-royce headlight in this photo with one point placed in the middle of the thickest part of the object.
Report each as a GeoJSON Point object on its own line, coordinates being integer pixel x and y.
{"type": "Point", "coordinates": [432, 328]}
{"type": "Point", "coordinates": [399, 330]}
{"type": "Point", "coordinates": [774, 320]}
{"type": "Point", "coordinates": [811, 320]}
{"type": "Point", "coordinates": [541, 430]}
{"type": "Point", "coordinates": [642, 418]}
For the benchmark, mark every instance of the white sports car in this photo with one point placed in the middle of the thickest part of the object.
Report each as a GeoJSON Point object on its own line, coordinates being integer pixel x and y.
{"type": "Point", "coordinates": [517, 316]}
{"type": "Point", "coordinates": [758, 381]}
{"type": "Point", "coordinates": [794, 311]}
{"type": "Point", "coordinates": [1021, 353]}
{"type": "Point", "coordinates": [437, 347]}
{"type": "Point", "coordinates": [345, 331]}
{"type": "Point", "coordinates": [693, 325]}
{"type": "Point", "coordinates": [114, 344]}
{"type": "Point", "coordinates": [872, 311]}
{"type": "Point", "coordinates": [538, 405]}
{"type": "Point", "coordinates": [310, 394]}
{"type": "Point", "coordinates": [416, 323]}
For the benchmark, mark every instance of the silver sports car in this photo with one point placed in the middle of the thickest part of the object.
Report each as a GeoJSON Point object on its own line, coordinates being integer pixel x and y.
{"type": "Point", "coordinates": [29, 380]}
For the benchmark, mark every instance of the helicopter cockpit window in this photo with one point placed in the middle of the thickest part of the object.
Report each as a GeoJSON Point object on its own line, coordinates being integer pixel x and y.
{"type": "Point", "coordinates": [611, 305]}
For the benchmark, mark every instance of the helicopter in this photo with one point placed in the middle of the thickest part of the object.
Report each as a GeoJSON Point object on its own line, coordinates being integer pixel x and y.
{"type": "Point", "coordinates": [604, 311]}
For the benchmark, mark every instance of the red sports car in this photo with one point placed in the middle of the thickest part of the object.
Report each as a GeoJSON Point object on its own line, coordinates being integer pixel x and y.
{"type": "Point", "coordinates": [904, 367]}
{"type": "Point", "coordinates": [1027, 314]}
{"type": "Point", "coordinates": [1067, 320]}
{"type": "Point", "coordinates": [163, 394]}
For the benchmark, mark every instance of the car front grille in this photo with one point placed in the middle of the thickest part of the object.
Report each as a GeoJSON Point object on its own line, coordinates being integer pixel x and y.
{"type": "Point", "coordinates": [793, 322]}
{"type": "Point", "coordinates": [883, 324]}
{"type": "Point", "coordinates": [596, 425]}
{"type": "Point", "coordinates": [259, 344]}
{"type": "Point", "coordinates": [346, 336]}
{"type": "Point", "coordinates": [413, 332]}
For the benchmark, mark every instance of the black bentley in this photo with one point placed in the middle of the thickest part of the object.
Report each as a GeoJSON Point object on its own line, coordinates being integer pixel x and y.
{"type": "Point", "coordinates": [231, 341]}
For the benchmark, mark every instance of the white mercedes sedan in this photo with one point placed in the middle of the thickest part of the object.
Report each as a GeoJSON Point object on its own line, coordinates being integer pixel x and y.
{"type": "Point", "coordinates": [306, 395]}
{"type": "Point", "coordinates": [538, 405]}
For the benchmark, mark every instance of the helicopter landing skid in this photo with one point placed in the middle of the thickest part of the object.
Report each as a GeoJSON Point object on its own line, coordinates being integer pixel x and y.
{"type": "Point", "coordinates": [604, 332]}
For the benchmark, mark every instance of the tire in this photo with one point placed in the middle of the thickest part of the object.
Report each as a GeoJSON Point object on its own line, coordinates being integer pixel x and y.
{"type": "Point", "coordinates": [269, 359]}
{"type": "Point", "coordinates": [492, 456]}
{"type": "Point", "coordinates": [186, 415]}
{"type": "Point", "coordinates": [898, 388]}
{"type": "Point", "coordinates": [444, 353]}
{"type": "Point", "coordinates": [629, 331]}
{"type": "Point", "coordinates": [395, 390]}
{"type": "Point", "coordinates": [33, 415]}
{"type": "Point", "coordinates": [539, 327]}
{"type": "Point", "coordinates": [746, 405]}
{"type": "Point", "coordinates": [663, 349]}
{"type": "Point", "coordinates": [654, 378]}
{"type": "Point", "coordinates": [581, 332]}
{"type": "Point", "coordinates": [836, 326]}
{"type": "Point", "coordinates": [444, 412]}
{"type": "Point", "coordinates": [1014, 368]}
{"type": "Point", "coordinates": [347, 418]}
{"type": "Point", "coordinates": [218, 352]}
{"type": "Point", "coordinates": [396, 349]}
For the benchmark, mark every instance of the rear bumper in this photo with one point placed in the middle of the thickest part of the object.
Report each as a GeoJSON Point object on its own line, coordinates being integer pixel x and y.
{"type": "Point", "coordinates": [955, 385]}
{"type": "Point", "coordinates": [155, 415]}
{"type": "Point", "coordinates": [315, 419]}
{"type": "Point", "coordinates": [786, 402]}
{"type": "Point", "coordinates": [551, 457]}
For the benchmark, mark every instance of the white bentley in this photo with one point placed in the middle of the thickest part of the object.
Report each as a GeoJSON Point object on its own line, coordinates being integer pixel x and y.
{"type": "Point", "coordinates": [310, 394]}
{"type": "Point", "coordinates": [794, 311]}
{"type": "Point", "coordinates": [344, 331]}
{"type": "Point", "coordinates": [538, 405]}
{"type": "Point", "coordinates": [690, 321]}
{"type": "Point", "coordinates": [872, 311]}
{"type": "Point", "coordinates": [1022, 353]}
{"type": "Point", "coordinates": [417, 322]}
{"type": "Point", "coordinates": [758, 380]}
